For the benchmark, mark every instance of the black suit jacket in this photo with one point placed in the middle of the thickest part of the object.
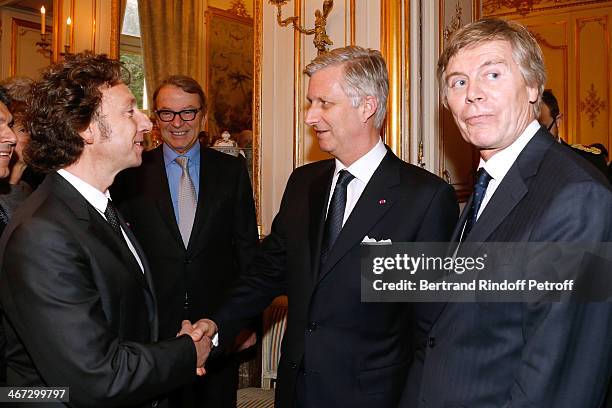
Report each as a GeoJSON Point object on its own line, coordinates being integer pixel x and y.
{"type": "Point", "coordinates": [79, 310]}
{"type": "Point", "coordinates": [351, 354]}
{"type": "Point", "coordinates": [223, 237]}
{"type": "Point", "coordinates": [526, 354]}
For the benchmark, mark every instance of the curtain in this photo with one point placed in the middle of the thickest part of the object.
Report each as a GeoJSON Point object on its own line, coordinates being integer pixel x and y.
{"type": "Point", "coordinates": [122, 4]}
{"type": "Point", "coordinates": [168, 30]}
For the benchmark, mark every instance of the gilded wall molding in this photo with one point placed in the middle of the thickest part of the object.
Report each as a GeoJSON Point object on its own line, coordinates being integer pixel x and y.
{"type": "Point", "coordinates": [298, 145]}
{"type": "Point", "coordinates": [392, 36]}
{"type": "Point", "coordinates": [17, 29]}
{"type": "Point", "coordinates": [456, 22]}
{"type": "Point", "coordinates": [352, 21]}
{"type": "Point", "coordinates": [523, 7]}
{"type": "Point", "coordinates": [592, 105]}
{"type": "Point", "coordinates": [257, 67]}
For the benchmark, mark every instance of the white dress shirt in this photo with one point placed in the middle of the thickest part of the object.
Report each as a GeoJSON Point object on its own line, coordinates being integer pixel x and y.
{"type": "Point", "coordinates": [98, 200]}
{"type": "Point", "coordinates": [362, 169]}
{"type": "Point", "coordinates": [499, 164]}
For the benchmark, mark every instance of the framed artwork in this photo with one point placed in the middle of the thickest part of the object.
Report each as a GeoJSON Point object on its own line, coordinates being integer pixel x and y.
{"type": "Point", "coordinates": [26, 59]}
{"type": "Point", "coordinates": [230, 83]}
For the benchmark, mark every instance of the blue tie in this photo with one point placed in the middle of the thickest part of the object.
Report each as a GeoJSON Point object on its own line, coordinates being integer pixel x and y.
{"type": "Point", "coordinates": [335, 214]}
{"type": "Point", "coordinates": [480, 188]}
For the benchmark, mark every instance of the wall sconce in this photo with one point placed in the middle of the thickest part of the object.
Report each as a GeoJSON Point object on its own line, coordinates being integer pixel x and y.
{"type": "Point", "coordinates": [321, 39]}
{"type": "Point", "coordinates": [44, 44]}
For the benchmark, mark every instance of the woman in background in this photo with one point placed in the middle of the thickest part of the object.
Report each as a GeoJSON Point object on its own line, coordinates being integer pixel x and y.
{"type": "Point", "coordinates": [21, 181]}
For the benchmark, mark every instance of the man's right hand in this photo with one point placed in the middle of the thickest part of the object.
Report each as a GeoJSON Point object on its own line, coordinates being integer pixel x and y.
{"type": "Point", "coordinates": [203, 347]}
{"type": "Point", "coordinates": [201, 335]}
{"type": "Point", "coordinates": [203, 327]}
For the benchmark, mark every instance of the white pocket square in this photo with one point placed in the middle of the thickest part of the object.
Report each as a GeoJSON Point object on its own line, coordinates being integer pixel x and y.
{"type": "Point", "coordinates": [372, 241]}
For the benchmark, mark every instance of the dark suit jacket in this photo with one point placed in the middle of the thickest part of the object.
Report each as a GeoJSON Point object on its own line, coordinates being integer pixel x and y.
{"type": "Point", "coordinates": [223, 237]}
{"type": "Point", "coordinates": [526, 354]}
{"type": "Point", "coordinates": [80, 311]}
{"type": "Point", "coordinates": [190, 283]}
{"type": "Point", "coordinates": [352, 354]}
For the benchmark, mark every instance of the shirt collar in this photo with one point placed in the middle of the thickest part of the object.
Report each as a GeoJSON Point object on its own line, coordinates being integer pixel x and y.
{"type": "Point", "coordinates": [95, 197]}
{"type": "Point", "coordinates": [366, 165]}
{"type": "Point", "coordinates": [192, 154]}
{"type": "Point", "coordinates": [499, 164]}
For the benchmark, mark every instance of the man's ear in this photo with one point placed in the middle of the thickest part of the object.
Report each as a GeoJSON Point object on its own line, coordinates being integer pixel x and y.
{"type": "Point", "coordinates": [88, 134]}
{"type": "Point", "coordinates": [369, 107]}
{"type": "Point", "coordinates": [533, 94]}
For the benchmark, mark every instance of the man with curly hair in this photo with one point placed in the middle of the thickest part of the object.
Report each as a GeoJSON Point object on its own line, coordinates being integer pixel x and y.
{"type": "Point", "coordinates": [75, 285]}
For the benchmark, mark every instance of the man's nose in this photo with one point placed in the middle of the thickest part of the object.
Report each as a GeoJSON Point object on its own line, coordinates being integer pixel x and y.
{"type": "Point", "coordinates": [7, 135]}
{"type": "Point", "coordinates": [312, 116]}
{"type": "Point", "coordinates": [474, 92]}
{"type": "Point", "coordinates": [177, 121]}
{"type": "Point", "coordinates": [144, 123]}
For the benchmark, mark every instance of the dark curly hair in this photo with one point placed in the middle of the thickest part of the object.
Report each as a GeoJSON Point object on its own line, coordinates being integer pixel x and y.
{"type": "Point", "coordinates": [18, 89]}
{"type": "Point", "coordinates": [4, 97]}
{"type": "Point", "coordinates": [63, 103]}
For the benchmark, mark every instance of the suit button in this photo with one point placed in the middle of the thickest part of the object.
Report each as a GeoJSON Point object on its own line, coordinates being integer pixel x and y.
{"type": "Point", "coordinates": [312, 326]}
{"type": "Point", "coordinates": [154, 404]}
{"type": "Point", "coordinates": [294, 366]}
{"type": "Point", "coordinates": [187, 261]}
{"type": "Point", "coordinates": [431, 342]}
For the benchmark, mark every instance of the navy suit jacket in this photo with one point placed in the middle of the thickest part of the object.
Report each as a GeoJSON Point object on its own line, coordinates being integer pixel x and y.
{"type": "Point", "coordinates": [526, 354]}
{"type": "Point", "coordinates": [346, 353]}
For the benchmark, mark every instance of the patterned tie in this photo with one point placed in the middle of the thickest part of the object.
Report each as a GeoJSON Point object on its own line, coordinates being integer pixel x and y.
{"type": "Point", "coordinates": [112, 217]}
{"type": "Point", "coordinates": [480, 188]}
{"type": "Point", "coordinates": [187, 201]}
{"type": "Point", "coordinates": [335, 214]}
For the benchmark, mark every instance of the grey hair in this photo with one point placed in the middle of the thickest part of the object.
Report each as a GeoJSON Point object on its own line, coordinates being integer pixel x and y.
{"type": "Point", "coordinates": [365, 74]}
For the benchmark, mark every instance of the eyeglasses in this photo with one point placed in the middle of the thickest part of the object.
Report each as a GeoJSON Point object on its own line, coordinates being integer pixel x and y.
{"type": "Point", "coordinates": [186, 115]}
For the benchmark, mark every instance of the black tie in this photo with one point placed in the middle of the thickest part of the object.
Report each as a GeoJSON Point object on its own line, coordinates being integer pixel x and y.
{"type": "Point", "coordinates": [335, 214]}
{"type": "Point", "coordinates": [112, 217]}
{"type": "Point", "coordinates": [480, 188]}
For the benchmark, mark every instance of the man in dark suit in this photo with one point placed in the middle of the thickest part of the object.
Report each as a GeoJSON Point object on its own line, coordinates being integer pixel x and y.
{"type": "Point", "coordinates": [550, 117]}
{"type": "Point", "coordinates": [338, 351]}
{"type": "Point", "coordinates": [75, 285]}
{"type": "Point", "coordinates": [196, 249]}
{"type": "Point", "coordinates": [529, 189]}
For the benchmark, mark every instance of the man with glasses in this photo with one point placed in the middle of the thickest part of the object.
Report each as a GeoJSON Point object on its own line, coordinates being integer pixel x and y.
{"type": "Point", "coordinates": [192, 210]}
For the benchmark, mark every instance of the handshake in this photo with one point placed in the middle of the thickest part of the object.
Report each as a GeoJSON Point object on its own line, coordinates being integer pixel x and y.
{"type": "Point", "coordinates": [201, 332]}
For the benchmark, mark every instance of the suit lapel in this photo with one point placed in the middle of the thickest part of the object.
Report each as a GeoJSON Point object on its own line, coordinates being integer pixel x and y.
{"type": "Point", "coordinates": [506, 197]}
{"type": "Point", "coordinates": [150, 292]}
{"type": "Point", "coordinates": [377, 198]}
{"type": "Point", "coordinates": [101, 229]}
{"type": "Point", "coordinates": [318, 197]}
{"type": "Point", "coordinates": [98, 226]}
{"type": "Point", "coordinates": [512, 188]}
{"type": "Point", "coordinates": [208, 182]}
{"type": "Point", "coordinates": [159, 186]}
{"type": "Point", "coordinates": [462, 219]}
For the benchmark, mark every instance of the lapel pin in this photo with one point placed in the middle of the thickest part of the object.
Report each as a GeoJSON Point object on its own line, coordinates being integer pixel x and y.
{"type": "Point", "coordinates": [382, 202]}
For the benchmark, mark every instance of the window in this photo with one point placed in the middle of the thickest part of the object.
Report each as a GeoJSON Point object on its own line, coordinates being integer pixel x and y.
{"type": "Point", "coordinates": [130, 52]}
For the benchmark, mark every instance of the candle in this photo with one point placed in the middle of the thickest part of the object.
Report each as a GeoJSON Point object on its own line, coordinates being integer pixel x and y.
{"type": "Point", "coordinates": [68, 32]}
{"type": "Point", "coordinates": [42, 20]}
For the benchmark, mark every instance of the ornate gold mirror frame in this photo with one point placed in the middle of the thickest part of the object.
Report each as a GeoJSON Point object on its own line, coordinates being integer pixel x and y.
{"type": "Point", "coordinates": [257, 64]}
